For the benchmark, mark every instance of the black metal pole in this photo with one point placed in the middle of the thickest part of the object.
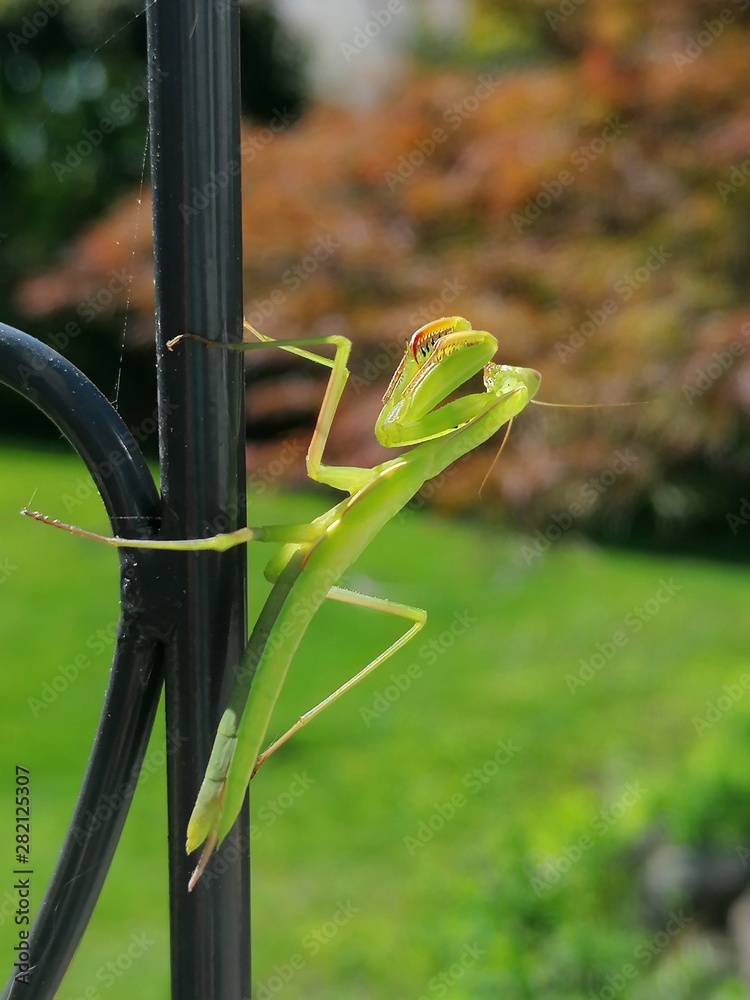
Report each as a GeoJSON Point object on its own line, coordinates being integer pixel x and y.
{"type": "Point", "coordinates": [194, 131]}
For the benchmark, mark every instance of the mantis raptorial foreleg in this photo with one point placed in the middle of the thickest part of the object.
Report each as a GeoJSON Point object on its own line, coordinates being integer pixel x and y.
{"type": "Point", "coordinates": [348, 479]}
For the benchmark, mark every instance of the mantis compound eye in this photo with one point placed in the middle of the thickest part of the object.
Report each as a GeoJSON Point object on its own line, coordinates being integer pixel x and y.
{"type": "Point", "coordinates": [506, 378]}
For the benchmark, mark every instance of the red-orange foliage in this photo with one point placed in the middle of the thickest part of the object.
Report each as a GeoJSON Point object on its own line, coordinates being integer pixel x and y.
{"type": "Point", "coordinates": [589, 213]}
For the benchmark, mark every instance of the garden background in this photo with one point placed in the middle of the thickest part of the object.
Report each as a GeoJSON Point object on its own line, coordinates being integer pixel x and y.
{"type": "Point", "coordinates": [547, 796]}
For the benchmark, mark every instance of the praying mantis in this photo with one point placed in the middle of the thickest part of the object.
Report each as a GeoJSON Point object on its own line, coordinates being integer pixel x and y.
{"type": "Point", "coordinates": [439, 358]}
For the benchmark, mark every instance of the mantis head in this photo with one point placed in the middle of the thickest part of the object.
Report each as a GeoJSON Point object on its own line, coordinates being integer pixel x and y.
{"type": "Point", "coordinates": [502, 379]}
{"type": "Point", "coordinates": [439, 358]}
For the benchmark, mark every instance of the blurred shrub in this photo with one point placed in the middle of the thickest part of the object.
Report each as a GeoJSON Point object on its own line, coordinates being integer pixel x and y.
{"type": "Point", "coordinates": [72, 142]}
{"type": "Point", "coordinates": [717, 810]}
{"type": "Point", "coordinates": [589, 210]}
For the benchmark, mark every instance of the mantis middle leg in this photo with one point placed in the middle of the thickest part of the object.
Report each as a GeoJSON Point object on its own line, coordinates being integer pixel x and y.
{"type": "Point", "coordinates": [416, 615]}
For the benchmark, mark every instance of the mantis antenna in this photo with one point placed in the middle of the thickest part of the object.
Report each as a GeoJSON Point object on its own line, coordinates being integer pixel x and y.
{"type": "Point", "coordinates": [564, 406]}
{"type": "Point", "coordinates": [588, 406]}
{"type": "Point", "coordinates": [497, 456]}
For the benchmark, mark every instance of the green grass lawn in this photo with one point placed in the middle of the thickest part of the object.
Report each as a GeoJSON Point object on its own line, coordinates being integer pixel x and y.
{"type": "Point", "coordinates": [457, 826]}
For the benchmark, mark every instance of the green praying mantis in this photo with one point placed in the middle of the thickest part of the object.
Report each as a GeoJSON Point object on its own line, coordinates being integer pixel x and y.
{"type": "Point", "coordinates": [439, 358]}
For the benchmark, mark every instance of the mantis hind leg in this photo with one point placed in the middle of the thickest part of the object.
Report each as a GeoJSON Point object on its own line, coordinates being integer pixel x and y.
{"type": "Point", "coordinates": [415, 615]}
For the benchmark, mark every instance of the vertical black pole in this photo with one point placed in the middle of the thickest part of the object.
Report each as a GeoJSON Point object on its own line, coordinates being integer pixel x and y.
{"type": "Point", "coordinates": [194, 134]}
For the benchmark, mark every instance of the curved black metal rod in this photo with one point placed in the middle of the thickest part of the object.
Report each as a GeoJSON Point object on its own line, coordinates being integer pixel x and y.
{"type": "Point", "coordinates": [114, 460]}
